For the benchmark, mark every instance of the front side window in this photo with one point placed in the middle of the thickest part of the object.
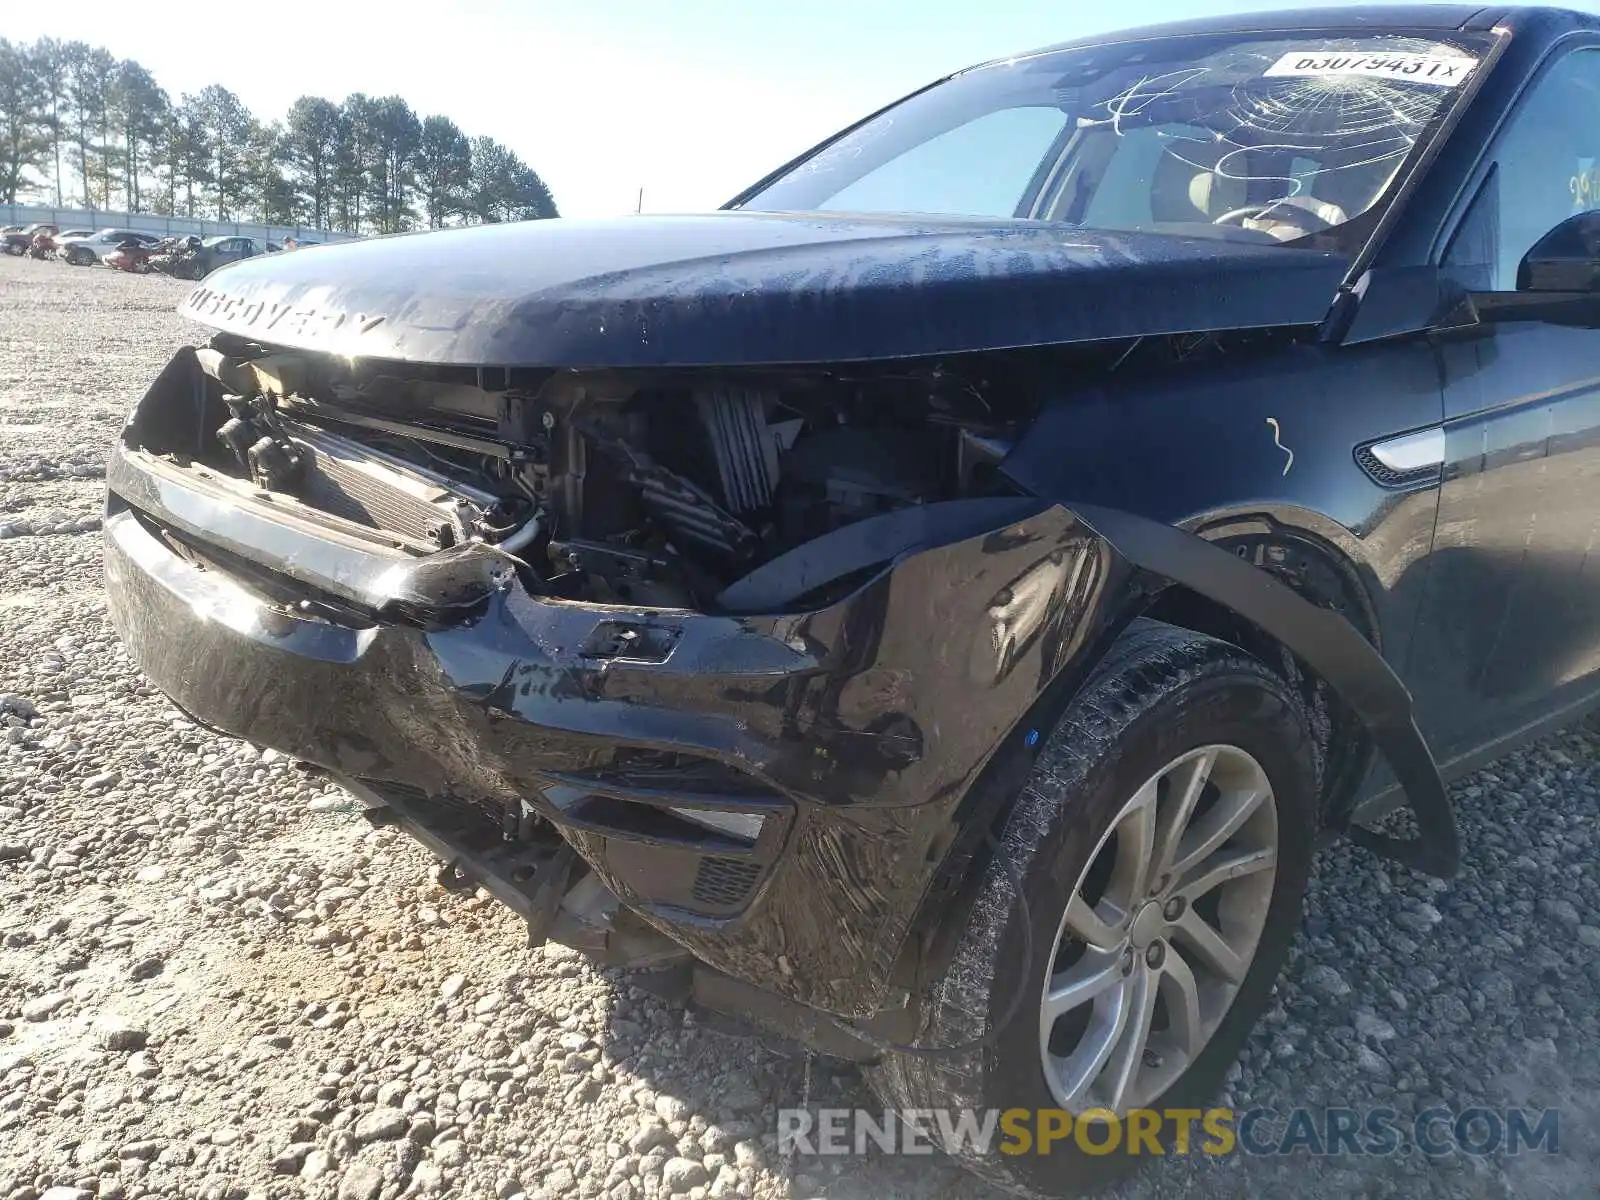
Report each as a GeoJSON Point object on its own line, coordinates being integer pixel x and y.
{"type": "Point", "coordinates": [1249, 137]}
{"type": "Point", "coordinates": [1545, 168]}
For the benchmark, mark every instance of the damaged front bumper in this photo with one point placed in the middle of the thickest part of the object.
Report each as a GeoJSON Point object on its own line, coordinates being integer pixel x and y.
{"type": "Point", "coordinates": [782, 802]}
{"type": "Point", "coordinates": [775, 794]}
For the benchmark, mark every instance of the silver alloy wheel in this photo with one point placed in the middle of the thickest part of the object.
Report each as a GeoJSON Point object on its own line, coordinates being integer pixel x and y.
{"type": "Point", "coordinates": [1159, 931]}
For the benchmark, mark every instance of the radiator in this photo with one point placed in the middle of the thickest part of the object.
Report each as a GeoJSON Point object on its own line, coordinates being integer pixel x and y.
{"type": "Point", "coordinates": [364, 485]}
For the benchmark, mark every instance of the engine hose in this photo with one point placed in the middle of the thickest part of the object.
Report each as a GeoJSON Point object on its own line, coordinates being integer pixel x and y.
{"type": "Point", "coordinates": [521, 538]}
{"type": "Point", "coordinates": [992, 1034]}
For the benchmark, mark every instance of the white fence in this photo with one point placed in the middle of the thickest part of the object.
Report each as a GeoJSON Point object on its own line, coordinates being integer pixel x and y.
{"type": "Point", "coordinates": [86, 218]}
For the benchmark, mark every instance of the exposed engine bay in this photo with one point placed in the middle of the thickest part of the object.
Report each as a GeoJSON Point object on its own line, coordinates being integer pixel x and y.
{"type": "Point", "coordinates": [651, 488]}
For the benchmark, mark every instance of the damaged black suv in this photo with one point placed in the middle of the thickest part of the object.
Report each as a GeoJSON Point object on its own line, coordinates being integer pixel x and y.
{"type": "Point", "coordinates": [933, 607]}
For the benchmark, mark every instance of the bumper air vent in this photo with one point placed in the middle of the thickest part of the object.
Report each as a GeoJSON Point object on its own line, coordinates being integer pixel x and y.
{"type": "Point", "coordinates": [725, 882]}
{"type": "Point", "coordinates": [671, 829]}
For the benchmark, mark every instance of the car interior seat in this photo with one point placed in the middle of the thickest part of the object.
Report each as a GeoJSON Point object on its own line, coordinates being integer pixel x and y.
{"type": "Point", "coordinates": [1181, 194]}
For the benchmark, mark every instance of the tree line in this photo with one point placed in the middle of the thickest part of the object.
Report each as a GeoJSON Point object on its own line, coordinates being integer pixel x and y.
{"type": "Point", "coordinates": [80, 127]}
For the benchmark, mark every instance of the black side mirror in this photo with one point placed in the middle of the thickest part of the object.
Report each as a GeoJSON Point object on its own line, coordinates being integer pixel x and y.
{"type": "Point", "coordinates": [1567, 259]}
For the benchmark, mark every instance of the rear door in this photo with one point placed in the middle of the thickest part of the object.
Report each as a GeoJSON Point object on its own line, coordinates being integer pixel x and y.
{"type": "Point", "coordinates": [1510, 629]}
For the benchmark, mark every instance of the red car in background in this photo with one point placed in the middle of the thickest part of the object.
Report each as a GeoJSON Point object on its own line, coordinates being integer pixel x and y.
{"type": "Point", "coordinates": [133, 255]}
{"type": "Point", "coordinates": [21, 241]}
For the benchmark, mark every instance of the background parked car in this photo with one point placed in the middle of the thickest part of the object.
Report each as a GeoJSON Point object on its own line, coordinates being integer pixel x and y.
{"type": "Point", "coordinates": [213, 252]}
{"type": "Point", "coordinates": [177, 256]}
{"type": "Point", "coordinates": [58, 241]}
{"type": "Point", "coordinates": [82, 251]}
{"type": "Point", "coordinates": [133, 255]}
{"type": "Point", "coordinates": [18, 242]}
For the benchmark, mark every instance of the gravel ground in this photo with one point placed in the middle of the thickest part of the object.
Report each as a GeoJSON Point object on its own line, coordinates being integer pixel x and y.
{"type": "Point", "coordinates": [217, 981]}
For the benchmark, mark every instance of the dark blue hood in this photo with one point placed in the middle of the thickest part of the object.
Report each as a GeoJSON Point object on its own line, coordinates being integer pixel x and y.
{"type": "Point", "coordinates": [738, 288]}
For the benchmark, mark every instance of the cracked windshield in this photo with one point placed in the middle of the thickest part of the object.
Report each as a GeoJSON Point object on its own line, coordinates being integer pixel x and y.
{"type": "Point", "coordinates": [1260, 140]}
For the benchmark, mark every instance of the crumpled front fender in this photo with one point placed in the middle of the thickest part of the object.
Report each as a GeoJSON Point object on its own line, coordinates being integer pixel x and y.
{"type": "Point", "coordinates": [1325, 642]}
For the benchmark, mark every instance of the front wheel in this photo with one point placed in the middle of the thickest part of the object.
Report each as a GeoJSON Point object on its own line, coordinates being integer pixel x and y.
{"type": "Point", "coordinates": [1162, 843]}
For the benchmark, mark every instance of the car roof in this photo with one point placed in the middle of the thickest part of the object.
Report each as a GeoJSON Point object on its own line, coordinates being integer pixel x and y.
{"type": "Point", "coordinates": [1373, 17]}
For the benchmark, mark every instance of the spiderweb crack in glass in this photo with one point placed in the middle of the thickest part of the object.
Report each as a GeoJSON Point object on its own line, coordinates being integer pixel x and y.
{"type": "Point", "coordinates": [1241, 137]}
{"type": "Point", "coordinates": [1305, 112]}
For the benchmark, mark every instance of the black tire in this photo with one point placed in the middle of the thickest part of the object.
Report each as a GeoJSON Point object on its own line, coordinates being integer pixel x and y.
{"type": "Point", "coordinates": [79, 258]}
{"type": "Point", "coordinates": [14, 249]}
{"type": "Point", "coordinates": [1161, 691]}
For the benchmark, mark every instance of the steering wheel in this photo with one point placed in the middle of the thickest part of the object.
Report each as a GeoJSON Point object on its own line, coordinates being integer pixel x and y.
{"type": "Point", "coordinates": [1302, 211]}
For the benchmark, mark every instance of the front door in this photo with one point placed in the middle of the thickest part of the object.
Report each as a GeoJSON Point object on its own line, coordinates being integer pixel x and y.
{"type": "Point", "coordinates": [1510, 631]}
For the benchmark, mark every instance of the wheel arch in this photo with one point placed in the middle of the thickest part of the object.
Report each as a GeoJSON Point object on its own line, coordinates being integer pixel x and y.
{"type": "Point", "coordinates": [1328, 643]}
{"type": "Point", "coordinates": [1319, 561]}
{"type": "Point", "coordinates": [1305, 608]}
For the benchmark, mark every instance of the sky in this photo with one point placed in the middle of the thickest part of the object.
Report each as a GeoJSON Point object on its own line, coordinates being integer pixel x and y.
{"type": "Point", "coordinates": [690, 100]}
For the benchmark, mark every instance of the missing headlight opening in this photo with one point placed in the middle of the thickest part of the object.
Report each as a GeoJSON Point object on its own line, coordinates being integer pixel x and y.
{"type": "Point", "coordinates": [642, 488]}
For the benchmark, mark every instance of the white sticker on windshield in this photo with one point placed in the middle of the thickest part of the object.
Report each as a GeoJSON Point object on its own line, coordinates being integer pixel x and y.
{"type": "Point", "coordinates": [1441, 70]}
